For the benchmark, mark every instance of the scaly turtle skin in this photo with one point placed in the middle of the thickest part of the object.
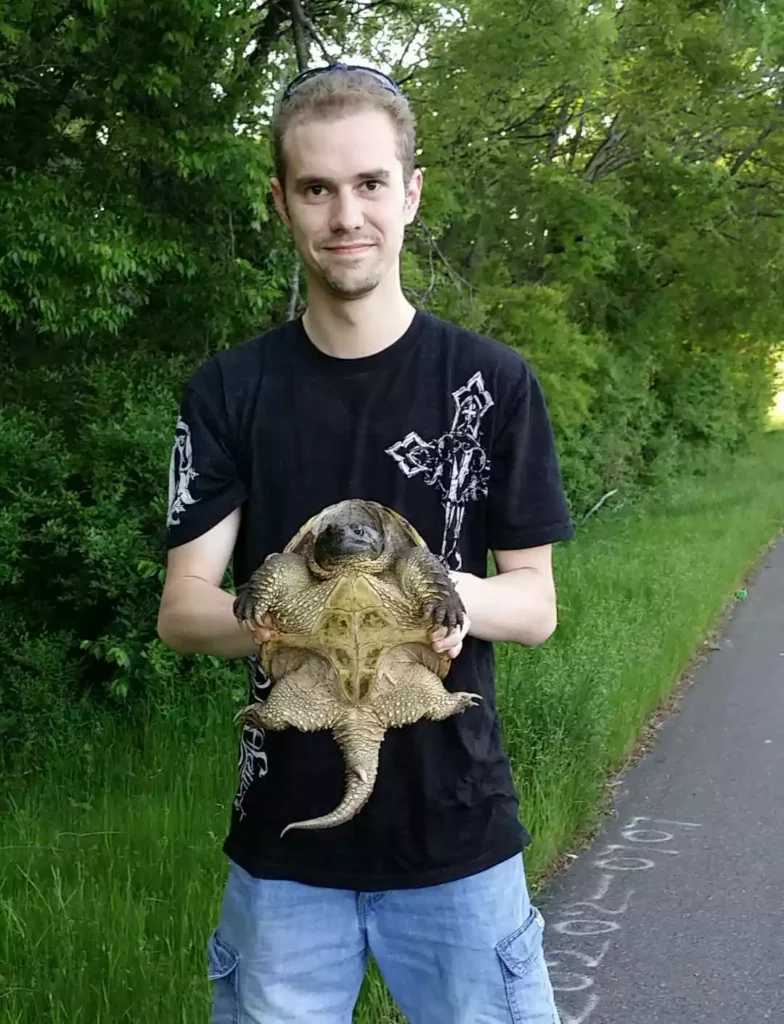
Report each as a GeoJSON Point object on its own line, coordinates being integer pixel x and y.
{"type": "Point", "coordinates": [353, 598]}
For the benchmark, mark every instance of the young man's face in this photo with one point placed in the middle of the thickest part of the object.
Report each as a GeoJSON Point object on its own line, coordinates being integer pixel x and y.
{"type": "Point", "coordinates": [345, 200]}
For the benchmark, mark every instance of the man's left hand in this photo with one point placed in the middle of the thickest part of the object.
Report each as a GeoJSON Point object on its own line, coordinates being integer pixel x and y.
{"type": "Point", "coordinates": [450, 641]}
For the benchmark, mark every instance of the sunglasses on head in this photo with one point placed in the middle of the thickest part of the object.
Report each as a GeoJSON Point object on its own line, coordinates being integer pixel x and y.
{"type": "Point", "coordinates": [379, 76]}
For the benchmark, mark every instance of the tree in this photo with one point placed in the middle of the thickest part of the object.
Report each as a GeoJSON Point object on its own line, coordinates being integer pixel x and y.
{"type": "Point", "coordinates": [626, 160]}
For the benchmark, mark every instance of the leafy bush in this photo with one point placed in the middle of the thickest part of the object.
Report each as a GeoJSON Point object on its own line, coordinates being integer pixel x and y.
{"type": "Point", "coordinates": [580, 206]}
{"type": "Point", "coordinates": [83, 493]}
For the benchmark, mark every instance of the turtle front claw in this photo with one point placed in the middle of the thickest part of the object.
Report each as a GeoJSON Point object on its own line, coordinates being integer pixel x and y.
{"type": "Point", "coordinates": [447, 611]}
{"type": "Point", "coordinates": [245, 604]}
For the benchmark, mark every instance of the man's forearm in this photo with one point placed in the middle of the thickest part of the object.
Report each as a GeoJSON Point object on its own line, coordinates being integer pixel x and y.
{"type": "Point", "coordinates": [196, 617]}
{"type": "Point", "coordinates": [517, 606]}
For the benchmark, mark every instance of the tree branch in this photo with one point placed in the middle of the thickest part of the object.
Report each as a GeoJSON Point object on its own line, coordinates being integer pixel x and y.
{"type": "Point", "coordinates": [299, 29]}
{"type": "Point", "coordinates": [557, 131]}
{"type": "Point", "coordinates": [457, 278]}
{"type": "Point", "coordinates": [268, 31]}
{"type": "Point", "coordinates": [575, 143]}
{"type": "Point", "coordinates": [748, 152]}
{"type": "Point", "coordinates": [294, 293]}
{"type": "Point", "coordinates": [401, 59]}
{"type": "Point", "coordinates": [604, 153]}
{"type": "Point", "coordinates": [311, 29]}
{"type": "Point", "coordinates": [514, 125]}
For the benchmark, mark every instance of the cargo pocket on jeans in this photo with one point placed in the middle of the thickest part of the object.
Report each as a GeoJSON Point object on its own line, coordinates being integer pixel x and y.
{"type": "Point", "coordinates": [528, 986]}
{"type": "Point", "coordinates": [222, 963]}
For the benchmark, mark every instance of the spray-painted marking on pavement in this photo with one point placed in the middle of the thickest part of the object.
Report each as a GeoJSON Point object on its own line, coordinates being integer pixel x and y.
{"type": "Point", "coordinates": [586, 929]}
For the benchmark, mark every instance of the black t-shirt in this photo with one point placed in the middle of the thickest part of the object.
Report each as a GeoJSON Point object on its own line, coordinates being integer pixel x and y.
{"type": "Point", "coordinates": [450, 429]}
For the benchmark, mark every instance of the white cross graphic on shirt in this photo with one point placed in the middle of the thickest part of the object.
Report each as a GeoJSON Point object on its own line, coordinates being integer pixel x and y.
{"type": "Point", "coordinates": [455, 463]}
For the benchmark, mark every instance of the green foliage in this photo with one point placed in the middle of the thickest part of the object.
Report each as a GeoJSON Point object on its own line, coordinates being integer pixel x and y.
{"type": "Point", "coordinates": [629, 160]}
{"type": "Point", "coordinates": [83, 492]}
{"type": "Point", "coordinates": [129, 199]}
{"type": "Point", "coordinates": [122, 839]}
{"type": "Point", "coordinates": [604, 192]}
{"type": "Point", "coordinates": [565, 357]}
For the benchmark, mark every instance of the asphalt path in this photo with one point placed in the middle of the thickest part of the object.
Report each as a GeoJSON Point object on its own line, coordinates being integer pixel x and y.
{"type": "Point", "coordinates": [676, 912]}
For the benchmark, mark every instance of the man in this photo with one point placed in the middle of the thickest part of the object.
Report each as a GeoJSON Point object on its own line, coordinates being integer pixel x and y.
{"type": "Point", "coordinates": [365, 396]}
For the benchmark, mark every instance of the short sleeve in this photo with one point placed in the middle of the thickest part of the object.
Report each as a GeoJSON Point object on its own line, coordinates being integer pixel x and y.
{"type": "Point", "coordinates": [527, 506]}
{"type": "Point", "coordinates": [204, 483]}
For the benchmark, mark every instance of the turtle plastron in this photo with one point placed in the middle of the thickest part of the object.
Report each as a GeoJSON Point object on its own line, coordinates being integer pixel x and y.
{"type": "Point", "coordinates": [350, 646]}
{"type": "Point", "coordinates": [405, 691]}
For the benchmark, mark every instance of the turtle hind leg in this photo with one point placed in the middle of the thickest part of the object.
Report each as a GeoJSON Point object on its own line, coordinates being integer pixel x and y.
{"type": "Point", "coordinates": [303, 699]}
{"type": "Point", "coordinates": [410, 691]}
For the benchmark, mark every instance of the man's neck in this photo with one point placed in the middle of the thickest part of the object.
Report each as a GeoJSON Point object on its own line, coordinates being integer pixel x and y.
{"type": "Point", "coordinates": [362, 327]}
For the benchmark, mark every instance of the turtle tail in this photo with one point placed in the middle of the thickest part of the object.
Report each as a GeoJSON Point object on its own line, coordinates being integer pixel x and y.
{"type": "Point", "coordinates": [359, 737]}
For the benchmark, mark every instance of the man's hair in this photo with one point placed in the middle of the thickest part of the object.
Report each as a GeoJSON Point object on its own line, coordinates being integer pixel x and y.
{"type": "Point", "coordinates": [337, 93]}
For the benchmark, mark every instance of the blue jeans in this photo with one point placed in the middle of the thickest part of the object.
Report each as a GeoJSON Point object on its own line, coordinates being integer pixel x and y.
{"type": "Point", "coordinates": [466, 952]}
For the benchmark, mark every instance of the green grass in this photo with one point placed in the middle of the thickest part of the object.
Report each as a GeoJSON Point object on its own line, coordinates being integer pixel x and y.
{"type": "Point", "coordinates": [776, 414]}
{"type": "Point", "coordinates": [111, 872]}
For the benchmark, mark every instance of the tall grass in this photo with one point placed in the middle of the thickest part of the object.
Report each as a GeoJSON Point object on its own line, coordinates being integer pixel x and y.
{"type": "Point", "coordinates": [111, 872]}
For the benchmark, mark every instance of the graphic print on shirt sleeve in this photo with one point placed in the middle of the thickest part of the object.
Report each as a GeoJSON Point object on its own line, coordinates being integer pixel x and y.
{"type": "Point", "coordinates": [252, 762]}
{"type": "Point", "coordinates": [455, 463]}
{"type": "Point", "coordinates": [181, 473]}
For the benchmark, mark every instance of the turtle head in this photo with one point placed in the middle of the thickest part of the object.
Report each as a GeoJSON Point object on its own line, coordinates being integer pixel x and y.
{"type": "Point", "coordinates": [350, 536]}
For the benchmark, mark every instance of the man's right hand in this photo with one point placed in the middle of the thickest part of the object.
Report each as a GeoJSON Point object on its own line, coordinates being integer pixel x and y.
{"type": "Point", "coordinates": [196, 616]}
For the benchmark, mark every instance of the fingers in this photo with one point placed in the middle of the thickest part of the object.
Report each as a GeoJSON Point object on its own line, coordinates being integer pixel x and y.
{"type": "Point", "coordinates": [450, 641]}
{"type": "Point", "coordinates": [260, 630]}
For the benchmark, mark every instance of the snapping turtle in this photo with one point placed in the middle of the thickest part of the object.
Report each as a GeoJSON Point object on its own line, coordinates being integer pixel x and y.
{"type": "Point", "coordinates": [353, 598]}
